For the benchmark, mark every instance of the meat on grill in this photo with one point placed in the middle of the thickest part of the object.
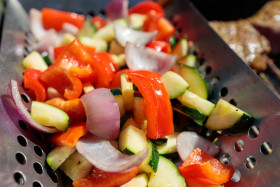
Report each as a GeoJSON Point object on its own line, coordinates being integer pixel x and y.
{"type": "Point", "coordinates": [267, 22]}
{"type": "Point", "coordinates": [246, 41]}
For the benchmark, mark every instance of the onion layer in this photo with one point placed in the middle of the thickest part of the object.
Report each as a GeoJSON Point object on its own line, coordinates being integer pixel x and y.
{"type": "Point", "coordinates": [124, 35]}
{"type": "Point", "coordinates": [187, 141]}
{"type": "Point", "coordinates": [117, 9]}
{"type": "Point", "coordinates": [16, 96]}
{"type": "Point", "coordinates": [36, 27]}
{"type": "Point", "coordinates": [104, 156]}
{"type": "Point", "coordinates": [103, 115]}
{"type": "Point", "coordinates": [142, 58]}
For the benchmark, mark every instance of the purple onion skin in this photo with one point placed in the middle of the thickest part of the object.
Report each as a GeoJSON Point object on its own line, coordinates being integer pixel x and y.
{"type": "Point", "coordinates": [103, 115]}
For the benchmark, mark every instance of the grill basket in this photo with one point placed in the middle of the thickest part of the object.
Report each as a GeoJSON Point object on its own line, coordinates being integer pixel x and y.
{"type": "Point", "coordinates": [254, 153]}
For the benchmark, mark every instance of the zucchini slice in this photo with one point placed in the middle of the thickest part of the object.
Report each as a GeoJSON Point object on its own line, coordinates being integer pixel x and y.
{"type": "Point", "coordinates": [88, 29]}
{"type": "Point", "coordinates": [67, 38]}
{"type": "Point", "coordinates": [195, 107]}
{"type": "Point", "coordinates": [34, 60]}
{"type": "Point", "coordinates": [226, 115]}
{"type": "Point", "coordinates": [107, 33]}
{"type": "Point", "coordinates": [139, 112]}
{"type": "Point", "coordinates": [119, 100]}
{"type": "Point", "coordinates": [76, 166]}
{"type": "Point", "coordinates": [166, 175]}
{"type": "Point", "coordinates": [137, 20]}
{"type": "Point", "coordinates": [140, 180]}
{"type": "Point", "coordinates": [58, 155]}
{"type": "Point", "coordinates": [198, 85]}
{"type": "Point", "coordinates": [150, 164]}
{"type": "Point", "coordinates": [175, 85]}
{"type": "Point", "coordinates": [181, 48]}
{"type": "Point", "coordinates": [189, 60]}
{"type": "Point", "coordinates": [127, 93]}
{"type": "Point", "coordinates": [99, 44]}
{"type": "Point", "coordinates": [170, 146]}
{"type": "Point", "coordinates": [48, 115]}
{"type": "Point", "coordinates": [132, 140]}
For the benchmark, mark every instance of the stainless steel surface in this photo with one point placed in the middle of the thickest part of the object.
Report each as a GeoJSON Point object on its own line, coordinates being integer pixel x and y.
{"type": "Point", "coordinates": [235, 81]}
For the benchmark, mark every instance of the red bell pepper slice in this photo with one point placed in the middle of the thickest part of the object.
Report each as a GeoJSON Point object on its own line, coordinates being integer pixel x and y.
{"type": "Point", "coordinates": [160, 46]}
{"type": "Point", "coordinates": [116, 82]}
{"type": "Point", "coordinates": [150, 24]}
{"type": "Point", "coordinates": [71, 136]}
{"type": "Point", "coordinates": [104, 67]}
{"type": "Point", "coordinates": [58, 75]}
{"type": "Point", "coordinates": [31, 81]}
{"type": "Point", "coordinates": [158, 108]}
{"type": "Point", "coordinates": [205, 169]}
{"type": "Point", "coordinates": [98, 22]}
{"type": "Point", "coordinates": [165, 29]}
{"type": "Point", "coordinates": [59, 49]}
{"type": "Point", "coordinates": [145, 7]}
{"type": "Point", "coordinates": [55, 19]}
{"type": "Point", "coordinates": [74, 108]}
{"type": "Point", "coordinates": [99, 178]}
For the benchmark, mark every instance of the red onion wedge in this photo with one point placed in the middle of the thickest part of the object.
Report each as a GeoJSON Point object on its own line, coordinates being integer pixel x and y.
{"type": "Point", "coordinates": [16, 96]}
{"type": "Point", "coordinates": [143, 58]}
{"type": "Point", "coordinates": [70, 28]}
{"type": "Point", "coordinates": [124, 35]}
{"type": "Point", "coordinates": [187, 141]}
{"type": "Point", "coordinates": [104, 156]}
{"type": "Point", "coordinates": [50, 39]}
{"type": "Point", "coordinates": [103, 115]}
{"type": "Point", "coordinates": [36, 27]}
{"type": "Point", "coordinates": [117, 9]}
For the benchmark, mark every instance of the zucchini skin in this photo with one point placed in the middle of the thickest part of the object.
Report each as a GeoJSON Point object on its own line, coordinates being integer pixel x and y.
{"type": "Point", "coordinates": [154, 158]}
{"type": "Point", "coordinates": [242, 124]}
{"type": "Point", "coordinates": [193, 113]}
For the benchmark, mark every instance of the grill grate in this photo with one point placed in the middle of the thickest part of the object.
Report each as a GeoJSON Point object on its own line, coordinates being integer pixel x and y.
{"type": "Point", "coordinates": [254, 153]}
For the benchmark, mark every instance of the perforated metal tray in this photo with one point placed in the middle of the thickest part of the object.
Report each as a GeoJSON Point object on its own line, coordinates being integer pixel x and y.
{"type": "Point", "coordinates": [254, 153]}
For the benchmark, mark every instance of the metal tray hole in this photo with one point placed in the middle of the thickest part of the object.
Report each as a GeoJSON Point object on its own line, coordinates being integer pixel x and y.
{"type": "Point", "coordinates": [22, 140]}
{"type": "Point", "coordinates": [225, 158]}
{"type": "Point", "coordinates": [21, 158]}
{"type": "Point", "coordinates": [38, 135]}
{"type": "Point", "coordinates": [19, 178]}
{"type": "Point", "coordinates": [26, 41]}
{"type": "Point", "coordinates": [253, 132]}
{"type": "Point", "coordinates": [28, 50]}
{"type": "Point", "coordinates": [224, 91]}
{"type": "Point", "coordinates": [208, 70]}
{"type": "Point", "coordinates": [102, 11]}
{"type": "Point", "coordinates": [53, 176]}
{"type": "Point", "coordinates": [239, 145]}
{"type": "Point", "coordinates": [236, 176]}
{"type": "Point", "coordinates": [38, 168]}
{"type": "Point", "coordinates": [91, 13]}
{"type": "Point", "coordinates": [233, 102]}
{"type": "Point", "coordinates": [250, 162]}
{"type": "Point", "coordinates": [37, 184]}
{"type": "Point", "coordinates": [266, 148]}
{"type": "Point", "coordinates": [23, 125]}
{"type": "Point", "coordinates": [38, 150]}
{"type": "Point", "coordinates": [25, 98]}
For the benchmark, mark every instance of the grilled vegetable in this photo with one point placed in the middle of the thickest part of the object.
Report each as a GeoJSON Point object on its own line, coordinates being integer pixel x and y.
{"type": "Point", "coordinates": [226, 116]}
{"type": "Point", "coordinates": [198, 84]}
{"type": "Point", "coordinates": [166, 175]}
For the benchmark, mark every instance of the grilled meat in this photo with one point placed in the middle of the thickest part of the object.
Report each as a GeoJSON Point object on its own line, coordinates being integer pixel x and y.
{"type": "Point", "coordinates": [246, 41]}
{"type": "Point", "coordinates": [267, 22]}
